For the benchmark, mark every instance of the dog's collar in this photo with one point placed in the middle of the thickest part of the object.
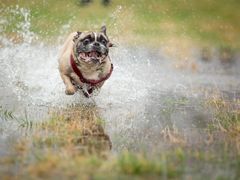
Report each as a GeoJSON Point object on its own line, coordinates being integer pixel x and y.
{"type": "Point", "coordinates": [91, 82]}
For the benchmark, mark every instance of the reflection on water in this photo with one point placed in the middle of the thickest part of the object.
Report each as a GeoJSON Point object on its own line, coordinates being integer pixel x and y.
{"type": "Point", "coordinates": [144, 95]}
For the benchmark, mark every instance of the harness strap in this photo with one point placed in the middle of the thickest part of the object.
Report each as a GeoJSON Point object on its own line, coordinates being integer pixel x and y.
{"type": "Point", "coordinates": [91, 82]}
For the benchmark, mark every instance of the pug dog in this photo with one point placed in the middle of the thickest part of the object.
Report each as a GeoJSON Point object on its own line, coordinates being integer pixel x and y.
{"type": "Point", "coordinates": [84, 62]}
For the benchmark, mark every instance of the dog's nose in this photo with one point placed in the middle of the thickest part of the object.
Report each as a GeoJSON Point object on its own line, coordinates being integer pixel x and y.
{"type": "Point", "coordinates": [96, 44]}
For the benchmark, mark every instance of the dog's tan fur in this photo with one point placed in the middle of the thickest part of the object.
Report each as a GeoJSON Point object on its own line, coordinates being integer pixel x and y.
{"type": "Point", "coordinates": [89, 70]}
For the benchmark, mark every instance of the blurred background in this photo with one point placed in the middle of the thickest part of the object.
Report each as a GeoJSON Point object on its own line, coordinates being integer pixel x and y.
{"type": "Point", "coordinates": [137, 22]}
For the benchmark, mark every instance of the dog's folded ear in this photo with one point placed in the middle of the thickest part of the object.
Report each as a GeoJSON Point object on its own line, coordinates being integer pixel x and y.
{"type": "Point", "coordinates": [104, 29]}
{"type": "Point", "coordinates": [75, 38]}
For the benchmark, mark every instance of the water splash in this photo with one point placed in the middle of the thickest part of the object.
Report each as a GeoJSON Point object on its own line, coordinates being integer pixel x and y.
{"type": "Point", "coordinates": [24, 26]}
{"type": "Point", "coordinates": [22, 17]}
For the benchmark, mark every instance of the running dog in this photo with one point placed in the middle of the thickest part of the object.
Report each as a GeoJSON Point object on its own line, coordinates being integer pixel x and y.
{"type": "Point", "coordinates": [84, 62]}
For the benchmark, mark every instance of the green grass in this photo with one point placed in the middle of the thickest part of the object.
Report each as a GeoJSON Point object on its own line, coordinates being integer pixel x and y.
{"type": "Point", "coordinates": [153, 22]}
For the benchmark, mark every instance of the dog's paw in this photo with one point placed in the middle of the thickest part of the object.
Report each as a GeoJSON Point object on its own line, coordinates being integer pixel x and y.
{"type": "Point", "coordinates": [70, 91]}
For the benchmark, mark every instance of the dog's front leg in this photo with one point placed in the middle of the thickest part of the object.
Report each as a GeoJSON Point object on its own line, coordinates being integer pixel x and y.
{"type": "Point", "coordinates": [70, 89]}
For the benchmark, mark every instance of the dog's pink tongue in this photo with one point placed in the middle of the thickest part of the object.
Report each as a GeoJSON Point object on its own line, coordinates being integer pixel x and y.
{"type": "Point", "coordinates": [93, 54]}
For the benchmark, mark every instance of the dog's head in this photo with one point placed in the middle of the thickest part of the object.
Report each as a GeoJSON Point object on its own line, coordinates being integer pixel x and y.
{"type": "Point", "coordinates": [92, 47]}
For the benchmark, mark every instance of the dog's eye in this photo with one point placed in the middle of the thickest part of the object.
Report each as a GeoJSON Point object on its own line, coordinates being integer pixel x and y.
{"type": "Point", "coordinates": [104, 42]}
{"type": "Point", "coordinates": [86, 41]}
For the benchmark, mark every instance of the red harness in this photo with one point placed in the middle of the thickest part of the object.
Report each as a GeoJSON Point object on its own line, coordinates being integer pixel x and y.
{"type": "Point", "coordinates": [91, 82]}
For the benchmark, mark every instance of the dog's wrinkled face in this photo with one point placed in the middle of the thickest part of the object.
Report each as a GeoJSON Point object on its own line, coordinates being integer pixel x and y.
{"type": "Point", "coordinates": [92, 47]}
